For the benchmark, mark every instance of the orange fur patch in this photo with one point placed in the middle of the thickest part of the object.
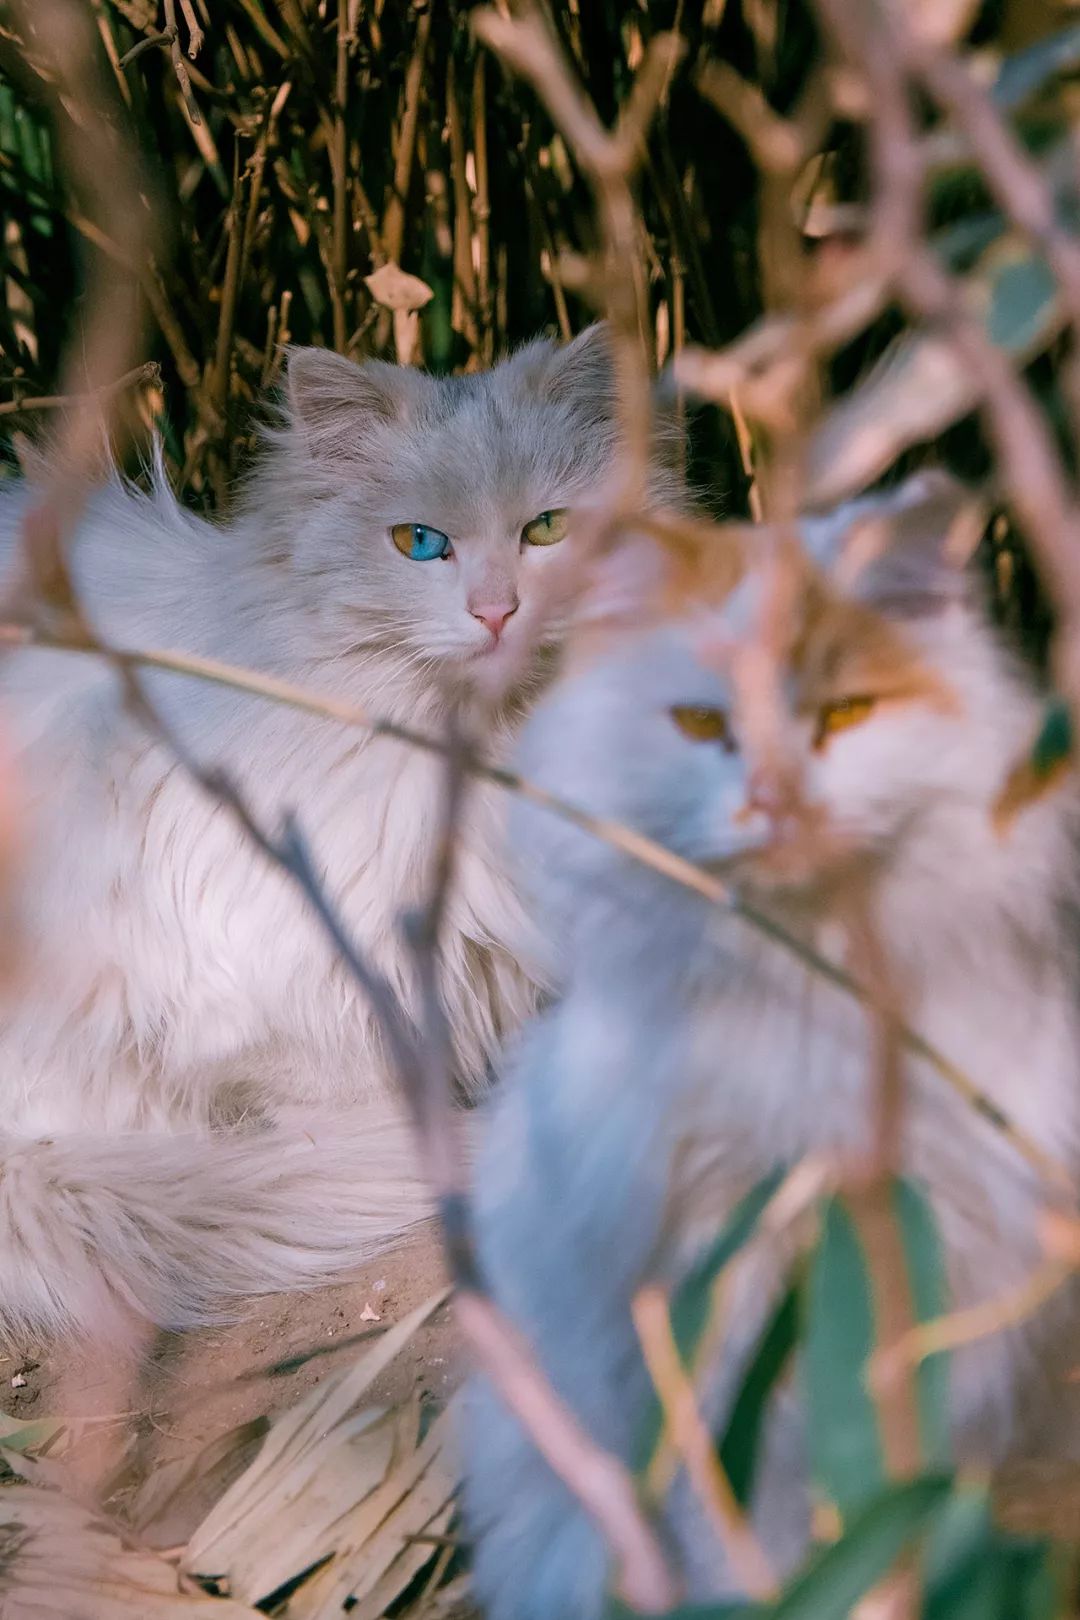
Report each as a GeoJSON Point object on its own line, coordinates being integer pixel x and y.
{"type": "Point", "coordinates": [838, 648]}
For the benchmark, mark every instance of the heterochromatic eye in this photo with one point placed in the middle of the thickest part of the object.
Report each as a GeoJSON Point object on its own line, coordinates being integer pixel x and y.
{"type": "Point", "coordinates": [547, 529]}
{"type": "Point", "coordinates": [841, 714]}
{"type": "Point", "coordinates": [419, 543]}
{"type": "Point", "coordinates": [704, 725]}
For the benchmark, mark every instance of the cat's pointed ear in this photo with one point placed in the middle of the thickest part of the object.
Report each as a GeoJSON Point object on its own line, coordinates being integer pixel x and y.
{"type": "Point", "coordinates": [582, 372]}
{"type": "Point", "coordinates": [903, 551]}
{"type": "Point", "coordinates": [681, 566]}
{"type": "Point", "coordinates": [624, 586]}
{"type": "Point", "coordinates": [331, 400]}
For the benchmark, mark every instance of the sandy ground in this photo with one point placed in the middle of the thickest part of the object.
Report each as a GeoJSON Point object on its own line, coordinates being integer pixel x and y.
{"type": "Point", "coordinates": [192, 1388]}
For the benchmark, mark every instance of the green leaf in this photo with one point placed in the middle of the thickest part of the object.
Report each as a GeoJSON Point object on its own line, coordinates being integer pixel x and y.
{"type": "Point", "coordinates": [975, 1571]}
{"type": "Point", "coordinates": [739, 1447]}
{"type": "Point", "coordinates": [921, 386]}
{"type": "Point", "coordinates": [1023, 292]}
{"type": "Point", "coordinates": [844, 1572]}
{"type": "Point", "coordinates": [959, 1575]}
{"type": "Point", "coordinates": [929, 1299]}
{"type": "Point", "coordinates": [1044, 765]}
{"type": "Point", "coordinates": [692, 1299]}
{"type": "Point", "coordinates": [690, 1306]}
{"type": "Point", "coordinates": [842, 1421]}
{"type": "Point", "coordinates": [22, 1437]}
{"type": "Point", "coordinates": [1027, 71]}
{"type": "Point", "coordinates": [842, 1429]}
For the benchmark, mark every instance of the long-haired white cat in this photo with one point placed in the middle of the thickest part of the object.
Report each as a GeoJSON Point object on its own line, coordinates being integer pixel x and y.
{"type": "Point", "coordinates": [690, 1055]}
{"type": "Point", "coordinates": [194, 1104]}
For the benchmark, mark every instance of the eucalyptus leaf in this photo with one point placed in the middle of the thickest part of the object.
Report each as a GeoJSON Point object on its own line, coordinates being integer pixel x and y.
{"type": "Point", "coordinates": [929, 1299]}
{"type": "Point", "coordinates": [843, 1433]}
{"type": "Point", "coordinates": [739, 1447]}
{"type": "Point", "coordinates": [976, 1571]}
{"type": "Point", "coordinates": [18, 1435]}
{"type": "Point", "coordinates": [692, 1300]}
{"type": "Point", "coordinates": [921, 385]}
{"type": "Point", "coordinates": [846, 1571]}
{"type": "Point", "coordinates": [846, 1454]}
{"type": "Point", "coordinates": [1028, 70]}
{"type": "Point", "coordinates": [1037, 772]}
{"type": "Point", "coordinates": [691, 1303]}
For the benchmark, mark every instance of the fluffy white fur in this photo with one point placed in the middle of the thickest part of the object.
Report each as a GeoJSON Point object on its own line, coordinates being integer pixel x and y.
{"type": "Point", "coordinates": [690, 1055]}
{"type": "Point", "coordinates": [194, 1100]}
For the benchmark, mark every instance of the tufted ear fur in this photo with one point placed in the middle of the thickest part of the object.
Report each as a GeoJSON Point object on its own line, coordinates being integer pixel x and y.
{"type": "Point", "coordinates": [582, 372]}
{"type": "Point", "coordinates": [332, 402]}
{"type": "Point", "coordinates": [902, 551]}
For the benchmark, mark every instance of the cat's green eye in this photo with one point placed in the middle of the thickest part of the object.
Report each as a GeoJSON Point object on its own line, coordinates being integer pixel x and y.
{"type": "Point", "coordinates": [703, 725]}
{"type": "Point", "coordinates": [547, 529]}
{"type": "Point", "coordinates": [420, 543]}
{"type": "Point", "coordinates": [843, 713]}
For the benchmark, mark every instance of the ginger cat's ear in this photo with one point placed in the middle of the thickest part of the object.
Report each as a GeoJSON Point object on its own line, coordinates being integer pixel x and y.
{"type": "Point", "coordinates": [903, 551]}
{"type": "Point", "coordinates": [675, 568]}
{"type": "Point", "coordinates": [624, 587]}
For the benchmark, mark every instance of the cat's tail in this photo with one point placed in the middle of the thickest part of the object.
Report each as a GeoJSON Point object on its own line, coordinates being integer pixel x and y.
{"type": "Point", "coordinates": [175, 1226]}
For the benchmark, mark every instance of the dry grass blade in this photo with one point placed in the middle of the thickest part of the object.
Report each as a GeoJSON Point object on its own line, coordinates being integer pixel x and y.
{"type": "Point", "coordinates": [320, 1461]}
{"type": "Point", "coordinates": [691, 1438]}
{"type": "Point", "coordinates": [59, 1560]}
{"type": "Point", "coordinates": [392, 1535]}
{"type": "Point", "coordinates": [151, 1501]}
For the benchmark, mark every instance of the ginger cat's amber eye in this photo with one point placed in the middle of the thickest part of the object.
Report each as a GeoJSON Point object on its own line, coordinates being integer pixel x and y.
{"type": "Point", "coordinates": [547, 529]}
{"type": "Point", "coordinates": [703, 725]}
{"type": "Point", "coordinates": [843, 713]}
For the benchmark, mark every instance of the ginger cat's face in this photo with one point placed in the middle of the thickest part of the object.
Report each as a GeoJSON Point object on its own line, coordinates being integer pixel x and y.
{"type": "Point", "coordinates": [883, 694]}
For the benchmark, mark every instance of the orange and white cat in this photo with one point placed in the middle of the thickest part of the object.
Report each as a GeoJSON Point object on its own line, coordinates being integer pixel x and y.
{"type": "Point", "coordinates": [689, 1054]}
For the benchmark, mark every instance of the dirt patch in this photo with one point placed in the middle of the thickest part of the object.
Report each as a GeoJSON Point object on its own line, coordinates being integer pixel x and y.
{"type": "Point", "coordinates": [192, 1388]}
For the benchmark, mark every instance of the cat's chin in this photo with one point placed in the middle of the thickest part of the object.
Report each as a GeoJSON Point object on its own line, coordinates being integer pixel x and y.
{"type": "Point", "coordinates": [505, 668]}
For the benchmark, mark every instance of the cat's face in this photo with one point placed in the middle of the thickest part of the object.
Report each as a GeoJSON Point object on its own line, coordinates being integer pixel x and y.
{"type": "Point", "coordinates": [430, 508]}
{"type": "Point", "coordinates": [893, 704]}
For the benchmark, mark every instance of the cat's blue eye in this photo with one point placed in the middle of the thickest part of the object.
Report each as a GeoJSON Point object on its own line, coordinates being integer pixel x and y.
{"type": "Point", "coordinates": [419, 543]}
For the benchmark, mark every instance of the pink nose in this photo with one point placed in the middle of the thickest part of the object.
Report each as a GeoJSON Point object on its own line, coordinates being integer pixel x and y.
{"type": "Point", "coordinates": [494, 615]}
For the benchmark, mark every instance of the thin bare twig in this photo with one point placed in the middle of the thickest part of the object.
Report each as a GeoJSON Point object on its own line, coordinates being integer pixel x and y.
{"type": "Point", "coordinates": [176, 56]}
{"type": "Point", "coordinates": [958, 1328]}
{"type": "Point", "coordinates": [423, 1064]}
{"type": "Point", "coordinates": [148, 373]}
{"type": "Point", "coordinates": [692, 1440]}
{"type": "Point", "coordinates": [635, 845]}
{"type": "Point", "coordinates": [609, 160]}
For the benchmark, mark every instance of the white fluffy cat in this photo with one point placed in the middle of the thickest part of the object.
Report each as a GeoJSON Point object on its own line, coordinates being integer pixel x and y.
{"type": "Point", "coordinates": [690, 1055]}
{"type": "Point", "coordinates": [193, 1103]}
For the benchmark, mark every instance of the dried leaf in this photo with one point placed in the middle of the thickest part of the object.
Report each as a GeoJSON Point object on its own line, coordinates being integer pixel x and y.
{"type": "Point", "coordinates": [395, 288]}
{"type": "Point", "coordinates": [59, 1561]}
{"type": "Point", "coordinates": [318, 1464]}
{"type": "Point", "coordinates": [160, 1489]}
